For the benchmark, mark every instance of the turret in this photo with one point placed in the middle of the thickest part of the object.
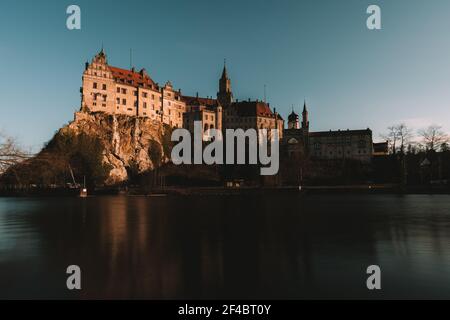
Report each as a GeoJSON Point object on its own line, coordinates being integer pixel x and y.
{"type": "Point", "coordinates": [305, 121]}
{"type": "Point", "coordinates": [293, 120]}
{"type": "Point", "coordinates": [225, 96]}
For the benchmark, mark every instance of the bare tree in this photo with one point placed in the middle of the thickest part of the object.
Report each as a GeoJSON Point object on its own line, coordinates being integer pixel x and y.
{"type": "Point", "coordinates": [391, 137]}
{"type": "Point", "coordinates": [433, 137]}
{"type": "Point", "coordinates": [10, 153]}
{"type": "Point", "coordinates": [404, 135]}
{"type": "Point", "coordinates": [398, 137]}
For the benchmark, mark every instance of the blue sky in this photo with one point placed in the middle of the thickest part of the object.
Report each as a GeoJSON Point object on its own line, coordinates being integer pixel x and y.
{"type": "Point", "coordinates": [320, 50]}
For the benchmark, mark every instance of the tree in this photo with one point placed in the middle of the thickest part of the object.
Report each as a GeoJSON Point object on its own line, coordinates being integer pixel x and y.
{"type": "Point", "coordinates": [10, 153]}
{"type": "Point", "coordinates": [433, 137]}
{"type": "Point", "coordinates": [398, 137]}
{"type": "Point", "coordinates": [404, 135]}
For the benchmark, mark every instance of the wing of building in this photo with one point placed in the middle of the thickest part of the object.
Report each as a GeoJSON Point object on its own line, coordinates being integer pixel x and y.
{"type": "Point", "coordinates": [114, 90]}
{"type": "Point", "coordinates": [129, 92]}
{"type": "Point", "coordinates": [327, 145]}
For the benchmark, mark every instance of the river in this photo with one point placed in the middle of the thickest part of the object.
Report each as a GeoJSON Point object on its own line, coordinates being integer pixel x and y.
{"type": "Point", "coordinates": [284, 246]}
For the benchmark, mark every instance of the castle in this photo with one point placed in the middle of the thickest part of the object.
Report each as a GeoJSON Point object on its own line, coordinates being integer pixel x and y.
{"type": "Point", "coordinates": [134, 93]}
{"type": "Point", "coordinates": [129, 92]}
{"type": "Point", "coordinates": [327, 145]}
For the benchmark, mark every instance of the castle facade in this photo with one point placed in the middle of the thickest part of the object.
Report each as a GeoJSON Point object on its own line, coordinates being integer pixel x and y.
{"type": "Point", "coordinates": [115, 90]}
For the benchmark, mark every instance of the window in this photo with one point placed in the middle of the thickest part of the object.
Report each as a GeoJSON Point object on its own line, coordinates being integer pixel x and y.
{"type": "Point", "coordinates": [124, 101]}
{"type": "Point", "coordinates": [104, 86]}
{"type": "Point", "coordinates": [95, 85]}
{"type": "Point", "coordinates": [104, 97]}
{"type": "Point", "coordinates": [118, 90]}
{"type": "Point", "coordinates": [135, 93]}
{"type": "Point", "coordinates": [153, 97]}
{"type": "Point", "coordinates": [95, 97]}
{"type": "Point", "coordinates": [124, 91]}
{"type": "Point", "coordinates": [135, 104]}
{"type": "Point", "coordinates": [361, 144]}
{"type": "Point", "coordinates": [145, 105]}
{"type": "Point", "coordinates": [144, 94]}
{"type": "Point", "coordinates": [118, 100]}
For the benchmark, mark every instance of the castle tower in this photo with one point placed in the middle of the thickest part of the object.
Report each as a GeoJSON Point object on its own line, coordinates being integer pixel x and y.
{"type": "Point", "coordinates": [225, 96]}
{"type": "Point", "coordinates": [293, 121]}
{"type": "Point", "coordinates": [305, 121]}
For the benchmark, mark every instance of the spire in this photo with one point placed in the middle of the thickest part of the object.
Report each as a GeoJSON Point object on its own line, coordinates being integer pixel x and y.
{"type": "Point", "coordinates": [225, 96]}
{"type": "Point", "coordinates": [224, 72]}
{"type": "Point", "coordinates": [305, 122]}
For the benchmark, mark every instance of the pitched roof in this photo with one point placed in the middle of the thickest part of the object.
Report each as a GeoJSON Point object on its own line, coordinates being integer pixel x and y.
{"type": "Point", "coordinates": [254, 108]}
{"type": "Point", "coordinates": [195, 101]}
{"type": "Point", "coordinates": [130, 77]}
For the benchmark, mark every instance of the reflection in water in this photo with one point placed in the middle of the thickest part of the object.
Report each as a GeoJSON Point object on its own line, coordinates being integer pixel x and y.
{"type": "Point", "coordinates": [280, 246]}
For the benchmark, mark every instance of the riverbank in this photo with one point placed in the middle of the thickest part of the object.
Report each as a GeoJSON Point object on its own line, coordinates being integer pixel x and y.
{"type": "Point", "coordinates": [187, 191]}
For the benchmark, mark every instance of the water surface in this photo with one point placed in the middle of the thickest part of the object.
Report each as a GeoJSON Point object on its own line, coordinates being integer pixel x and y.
{"type": "Point", "coordinates": [281, 246]}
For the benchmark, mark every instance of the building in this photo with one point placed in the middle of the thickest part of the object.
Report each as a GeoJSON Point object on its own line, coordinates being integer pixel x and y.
{"type": "Point", "coordinates": [119, 91]}
{"type": "Point", "coordinates": [295, 138]}
{"type": "Point", "coordinates": [226, 113]}
{"type": "Point", "coordinates": [326, 145]}
{"type": "Point", "coordinates": [380, 149]}
{"type": "Point", "coordinates": [252, 115]}
{"type": "Point", "coordinates": [205, 110]}
{"type": "Point", "coordinates": [341, 145]}
{"type": "Point", "coordinates": [134, 93]}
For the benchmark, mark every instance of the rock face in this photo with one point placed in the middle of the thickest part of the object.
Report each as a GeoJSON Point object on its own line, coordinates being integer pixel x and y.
{"type": "Point", "coordinates": [127, 141]}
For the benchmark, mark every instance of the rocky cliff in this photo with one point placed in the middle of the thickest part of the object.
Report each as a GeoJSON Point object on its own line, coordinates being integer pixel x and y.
{"type": "Point", "coordinates": [130, 142]}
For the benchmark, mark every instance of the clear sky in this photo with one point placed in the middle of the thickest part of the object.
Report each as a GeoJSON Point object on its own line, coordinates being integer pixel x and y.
{"type": "Point", "coordinates": [320, 50]}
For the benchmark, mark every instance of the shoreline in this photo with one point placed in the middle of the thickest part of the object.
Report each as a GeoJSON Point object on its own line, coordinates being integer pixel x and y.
{"type": "Point", "coordinates": [217, 191]}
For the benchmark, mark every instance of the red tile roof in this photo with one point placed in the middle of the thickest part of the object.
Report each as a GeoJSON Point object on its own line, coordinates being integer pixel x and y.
{"type": "Point", "coordinates": [254, 108]}
{"type": "Point", "coordinates": [130, 77]}
{"type": "Point", "coordinates": [195, 101]}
